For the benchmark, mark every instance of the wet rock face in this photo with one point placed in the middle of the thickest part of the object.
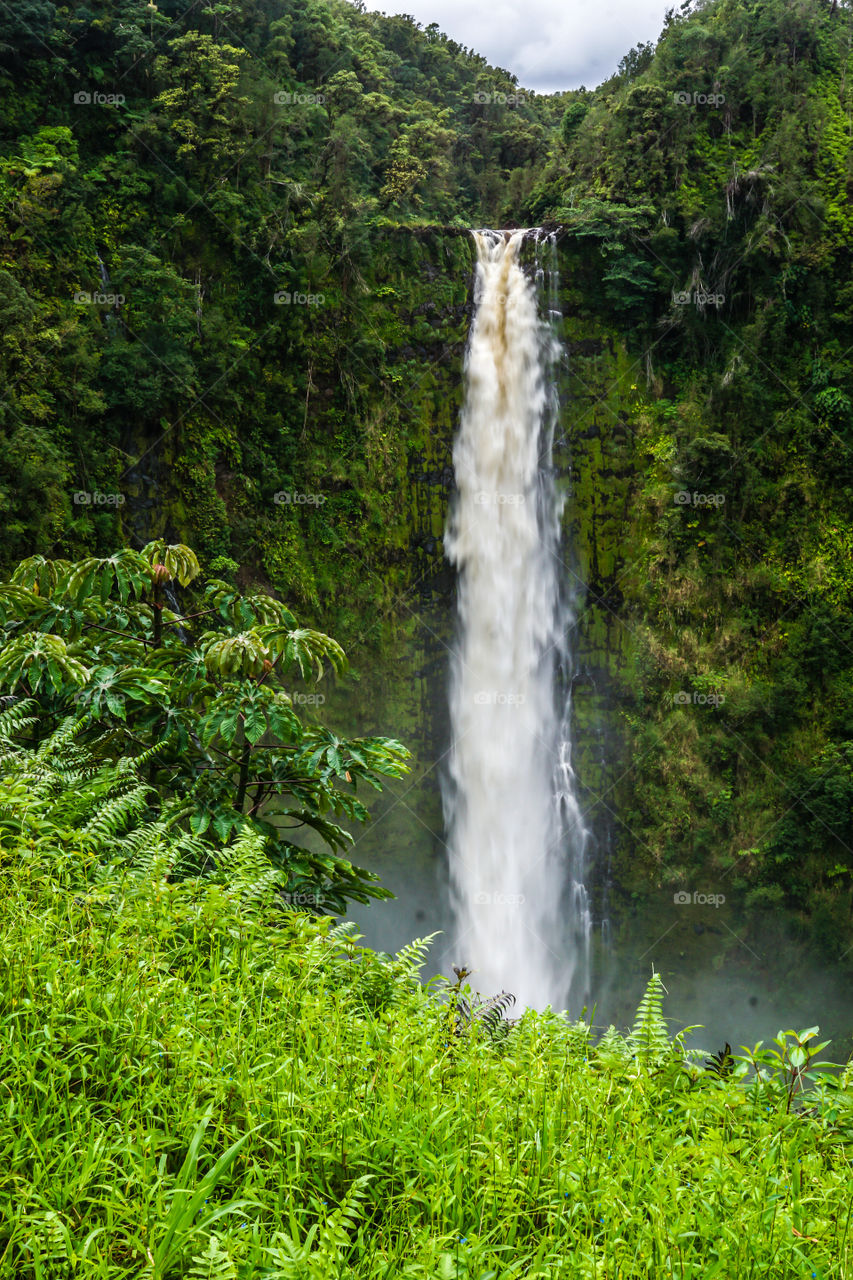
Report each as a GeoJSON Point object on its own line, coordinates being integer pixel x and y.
{"type": "Point", "coordinates": [409, 675]}
{"type": "Point", "coordinates": [405, 675]}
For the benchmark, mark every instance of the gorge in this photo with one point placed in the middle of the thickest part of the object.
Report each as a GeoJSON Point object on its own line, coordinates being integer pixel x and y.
{"type": "Point", "coordinates": [426, 647]}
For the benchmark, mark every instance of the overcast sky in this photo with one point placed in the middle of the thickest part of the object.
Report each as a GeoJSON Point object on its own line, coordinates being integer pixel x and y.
{"type": "Point", "coordinates": [548, 44]}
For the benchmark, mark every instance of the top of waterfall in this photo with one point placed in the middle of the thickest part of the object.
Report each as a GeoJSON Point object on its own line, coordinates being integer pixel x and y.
{"type": "Point", "coordinates": [506, 231]}
{"type": "Point", "coordinates": [494, 235]}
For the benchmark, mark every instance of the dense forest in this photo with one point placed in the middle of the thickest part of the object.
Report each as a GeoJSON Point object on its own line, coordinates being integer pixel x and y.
{"type": "Point", "coordinates": [705, 193]}
{"type": "Point", "coordinates": [235, 289]}
{"type": "Point", "coordinates": [220, 180]}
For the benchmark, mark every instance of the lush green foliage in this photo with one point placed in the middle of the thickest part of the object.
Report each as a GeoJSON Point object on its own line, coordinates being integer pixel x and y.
{"type": "Point", "coordinates": [204, 699]}
{"type": "Point", "coordinates": [226, 322]}
{"type": "Point", "coordinates": [705, 197]}
{"type": "Point", "coordinates": [197, 281]}
{"type": "Point", "coordinates": [198, 1085]}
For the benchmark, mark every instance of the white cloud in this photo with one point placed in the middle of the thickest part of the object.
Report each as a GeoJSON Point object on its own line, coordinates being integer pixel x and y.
{"type": "Point", "coordinates": [548, 44]}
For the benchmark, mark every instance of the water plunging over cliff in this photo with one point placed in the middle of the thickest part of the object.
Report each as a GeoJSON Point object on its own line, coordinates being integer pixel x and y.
{"type": "Point", "coordinates": [516, 835]}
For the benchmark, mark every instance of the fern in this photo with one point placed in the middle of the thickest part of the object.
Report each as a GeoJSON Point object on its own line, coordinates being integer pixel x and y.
{"type": "Point", "coordinates": [63, 798]}
{"type": "Point", "coordinates": [613, 1050]}
{"type": "Point", "coordinates": [248, 873]}
{"type": "Point", "coordinates": [119, 811]}
{"type": "Point", "coordinates": [60, 740]}
{"type": "Point", "coordinates": [411, 958]}
{"type": "Point", "coordinates": [722, 1063]}
{"type": "Point", "coordinates": [296, 1259]}
{"type": "Point", "coordinates": [487, 1015]}
{"type": "Point", "coordinates": [345, 931]}
{"type": "Point", "coordinates": [49, 1239]}
{"type": "Point", "coordinates": [140, 848]}
{"type": "Point", "coordinates": [154, 864]}
{"type": "Point", "coordinates": [649, 1037]}
{"type": "Point", "coordinates": [16, 718]}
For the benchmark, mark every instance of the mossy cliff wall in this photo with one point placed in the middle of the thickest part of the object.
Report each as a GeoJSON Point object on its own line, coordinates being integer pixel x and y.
{"type": "Point", "coordinates": [399, 590]}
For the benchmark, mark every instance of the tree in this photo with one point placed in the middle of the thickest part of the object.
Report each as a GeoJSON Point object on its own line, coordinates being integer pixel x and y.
{"type": "Point", "coordinates": [207, 696]}
{"type": "Point", "coordinates": [200, 103]}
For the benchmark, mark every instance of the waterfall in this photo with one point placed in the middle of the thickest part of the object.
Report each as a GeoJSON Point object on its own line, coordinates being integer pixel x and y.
{"type": "Point", "coordinates": [103, 273]}
{"type": "Point", "coordinates": [516, 835]}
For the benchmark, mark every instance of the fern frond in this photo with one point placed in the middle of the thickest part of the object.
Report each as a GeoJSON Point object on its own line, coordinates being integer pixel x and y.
{"type": "Point", "coordinates": [488, 1014]}
{"type": "Point", "coordinates": [649, 1037]}
{"type": "Point", "coordinates": [153, 859]}
{"type": "Point", "coordinates": [613, 1050]}
{"type": "Point", "coordinates": [119, 811]}
{"type": "Point", "coordinates": [247, 871]}
{"type": "Point", "coordinates": [144, 757]}
{"type": "Point", "coordinates": [54, 1245]}
{"type": "Point", "coordinates": [413, 956]}
{"type": "Point", "coordinates": [345, 931]}
{"type": "Point", "coordinates": [59, 741]}
{"type": "Point", "coordinates": [16, 716]}
{"type": "Point", "coordinates": [334, 1239]}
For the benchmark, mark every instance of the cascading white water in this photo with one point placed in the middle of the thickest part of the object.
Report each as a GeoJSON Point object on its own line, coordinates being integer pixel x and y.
{"type": "Point", "coordinates": [516, 835]}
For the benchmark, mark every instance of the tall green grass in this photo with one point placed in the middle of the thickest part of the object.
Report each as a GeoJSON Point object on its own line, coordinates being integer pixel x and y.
{"type": "Point", "coordinates": [188, 1088]}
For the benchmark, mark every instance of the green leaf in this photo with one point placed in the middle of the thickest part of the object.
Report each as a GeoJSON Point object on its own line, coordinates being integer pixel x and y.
{"type": "Point", "coordinates": [254, 725]}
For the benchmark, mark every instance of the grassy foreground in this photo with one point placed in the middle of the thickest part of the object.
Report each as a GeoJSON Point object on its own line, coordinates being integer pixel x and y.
{"type": "Point", "coordinates": [189, 1091]}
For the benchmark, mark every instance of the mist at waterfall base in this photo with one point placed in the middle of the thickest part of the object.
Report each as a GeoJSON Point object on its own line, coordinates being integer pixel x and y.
{"type": "Point", "coordinates": [514, 830]}
{"type": "Point", "coordinates": [760, 987]}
